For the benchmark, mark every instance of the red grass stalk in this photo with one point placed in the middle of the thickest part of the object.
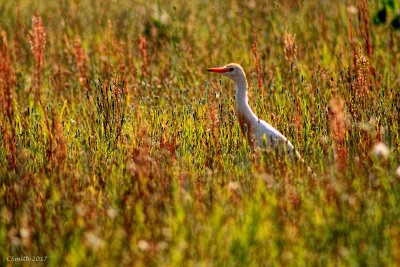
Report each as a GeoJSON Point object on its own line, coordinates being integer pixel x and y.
{"type": "Point", "coordinates": [364, 13]}
{"type": "Point", "coordinates": [290, 52]}
{"type": "Point", "coordinates": [7, 81]}
{"type": "Point", "coordinates": [362, 78]}
{"type": "Point", "coordinates": [81, 62]}
{"type": "Point", "coordinates": [37, 40]}
{"type": "Point", "coordinates": [350, 23]}
{"type": "Point", "coordinates": [254, 46]}
{"type": "Point", "coordinates": [143, 53]}
{"type": "Point", "coordinates": [354, 110]}
{"type": "Point", "coordinates": [338, 126]}
{"type": "Point", "coordinates": [118, 94]}
{"type": "Point", "coordinates": [214, 117]}
{"type": "Point", "coordinates": [118, 48]}
{"type": "Point", "coordinates": [60, 148]}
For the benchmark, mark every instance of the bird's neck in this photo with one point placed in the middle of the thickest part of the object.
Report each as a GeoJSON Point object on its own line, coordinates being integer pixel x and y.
{"type": "Point", "coordinates": [242, 101]}
{"type": "Point", "coordinates": [241, 90]}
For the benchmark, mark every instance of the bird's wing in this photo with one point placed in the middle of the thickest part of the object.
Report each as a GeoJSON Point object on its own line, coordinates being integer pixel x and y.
{"type": "Point", "coordinates": [274, 138]}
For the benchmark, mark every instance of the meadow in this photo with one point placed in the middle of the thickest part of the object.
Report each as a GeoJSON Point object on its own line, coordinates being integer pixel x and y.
{"type": "Point", "coordinates": [117, 147]}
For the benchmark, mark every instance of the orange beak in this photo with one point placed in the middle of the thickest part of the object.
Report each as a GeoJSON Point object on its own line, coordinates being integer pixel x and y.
{"type": "Point", "coordinates": [219, 70]}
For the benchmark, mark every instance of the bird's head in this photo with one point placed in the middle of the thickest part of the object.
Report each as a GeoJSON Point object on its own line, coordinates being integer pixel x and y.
{"type": "Point", "coordinates": [232, 70]}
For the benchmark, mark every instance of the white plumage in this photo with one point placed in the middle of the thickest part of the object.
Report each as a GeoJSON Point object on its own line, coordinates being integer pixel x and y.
{"type": "Point", "coordinates": [257, 131]}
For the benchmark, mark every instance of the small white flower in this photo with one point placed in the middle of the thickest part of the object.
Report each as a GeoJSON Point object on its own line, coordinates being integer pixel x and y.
{"type": "Point", "coordinates": [24, 232]}
{"type": "Point", "coordinates": [398, 172]}
{"type": "Point", "coordinates": [233, 185]}
{"type": "Point", "coordinates": [112, 213]}
{"type": "Point", "coordinates": [352, 10]}
{"type": "Point", "coordinates": [380, 150]}
{"type": "Point", "coordinates": [143, 245]}
{"type": "Point", "coordinates": [93, 240]}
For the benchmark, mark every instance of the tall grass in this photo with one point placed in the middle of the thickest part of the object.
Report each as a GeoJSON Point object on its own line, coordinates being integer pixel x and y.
{"type": "Point", "coordinates": [118, 148]}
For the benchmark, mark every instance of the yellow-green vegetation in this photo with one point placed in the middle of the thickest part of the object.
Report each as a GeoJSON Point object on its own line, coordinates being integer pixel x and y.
{"type": "Point", "coordinates": [118, 148]}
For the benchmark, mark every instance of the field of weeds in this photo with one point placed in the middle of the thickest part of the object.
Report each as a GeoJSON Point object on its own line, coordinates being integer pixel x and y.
{"type": "Point", "coordinates": [117, 147]}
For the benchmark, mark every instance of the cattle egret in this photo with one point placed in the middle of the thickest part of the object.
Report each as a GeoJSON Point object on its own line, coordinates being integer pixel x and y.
{"type": "Point", "coordinates": [258, 132]}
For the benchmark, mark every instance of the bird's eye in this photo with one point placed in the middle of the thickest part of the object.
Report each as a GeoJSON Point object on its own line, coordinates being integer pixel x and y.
{"type": "Point", "coordinates": [231, 69]}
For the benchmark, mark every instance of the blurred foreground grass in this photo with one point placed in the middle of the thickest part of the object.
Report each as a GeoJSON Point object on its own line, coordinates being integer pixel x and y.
{"type": "Point", "coordinates": [132, 154]}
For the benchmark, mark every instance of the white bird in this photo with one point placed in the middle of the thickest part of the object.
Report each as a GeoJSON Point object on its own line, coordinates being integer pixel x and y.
{"type": "Point", "coordinates": [257, 132]}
